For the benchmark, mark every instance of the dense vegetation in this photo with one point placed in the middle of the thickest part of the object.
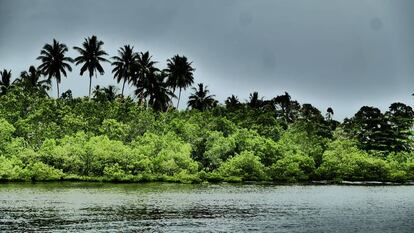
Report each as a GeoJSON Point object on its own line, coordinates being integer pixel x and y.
{"type": "Point", "coordinates": [113, 137]}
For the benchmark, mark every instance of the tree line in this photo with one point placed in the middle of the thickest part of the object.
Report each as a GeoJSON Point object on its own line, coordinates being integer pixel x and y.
{"type": "Point", "coordinates": [152, 85]}
{"type": "Point", "coordinates": [109, 136]}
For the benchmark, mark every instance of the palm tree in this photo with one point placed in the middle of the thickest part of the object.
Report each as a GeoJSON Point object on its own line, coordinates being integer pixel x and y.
{"type": "Point", "coordinates": [124, 64]}
{"type": "Point", "coordinates": [91, 54]}
{"type": "Point", "coordinates": [329, 114]}
{"type": "Point", "coordinates": [5, 81]}
{"type": "Point", "coordinates": [180, 74]}
{"type": "Point", "coordinates": [254, 100]}
{"type": "Point", "coordinates": [155, 88]}
{"type": "Point", "coordinates": [232, 102]}
{"type": "Point", "coordinates": [200, 99]}
{"type": "Point", "coordinates": [31, 82]}
{"type": "Point", "coordinates": [109, 93]}
{"type": "Point", "coordinates": [144, 71]}
{"type": "Point", "coordinates": [54, 61]}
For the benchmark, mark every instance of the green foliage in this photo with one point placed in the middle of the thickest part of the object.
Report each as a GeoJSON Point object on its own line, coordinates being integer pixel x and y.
{"type": "Point", "coordinates": [344, 161]}
{"type": "Point", "coordinates": [292, 168]}
{"type": "Point", "coordinates": [120, 140]}
{"type": "Point", "coordinates": [244, 167]}
{"type": "Point", "coordinates": [218, 149]}
{"type": "Point", "coordinates": [266, 149]}
{"type": "Point", "coordinates": [10, 169]}
{"type": "Point", "coordinates": [6, 131]}
{"type": "Point", "coordinates": [115, 130]}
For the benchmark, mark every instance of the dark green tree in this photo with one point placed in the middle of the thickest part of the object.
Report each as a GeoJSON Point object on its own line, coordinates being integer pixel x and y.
{"type": "Point", "coordinates": [329, 114]}
{"type": "Point", "coordinates": [124, 65]}
{"type": "Point", "coordinates": [232, 102]}
{"type": "Point", "coordinates": [400, 118]}
{"type": "Point", "coordinates": [31, 82]}
{"type": "Point", "coordinates": [254, 101]}
{"type": "Point", "coordinates": [91, 56]}
{"type": "Point", "coordinates": [144, 71]}
{"type": "Point", "coordinates": [5, 81]}
{"type": "Point", "coordinates": [155, 89]}
{"type": "Point", "coordinates": [371, 128]}
{"type": "Point", "coordinates": [201, 99]}
{"type": "Point", "coordinates": [286, 109]}
{"type": "Point", "coordinates": [109, 93]}
{"type": "Point", "coordinates": [55, 62]}
{"type": "Point", "coordinates": [180, 74]}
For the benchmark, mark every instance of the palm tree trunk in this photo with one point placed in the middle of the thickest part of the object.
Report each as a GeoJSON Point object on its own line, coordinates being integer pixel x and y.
{"type": "Point", "coordinates": [57, 85]}
{"type": "Point", "coordinates": [90, 85]}
{"type": "Point", "coordinates": [179, 96]}
{"type": "Point", "coordinates": [123, 86]}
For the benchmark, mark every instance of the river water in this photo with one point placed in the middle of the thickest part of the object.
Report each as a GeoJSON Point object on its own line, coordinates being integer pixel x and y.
{"type": "Point", "coordinates": [160, 207]}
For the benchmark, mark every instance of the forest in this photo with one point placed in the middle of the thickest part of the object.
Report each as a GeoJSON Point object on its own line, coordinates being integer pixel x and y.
{"type": "Point", "coordinates": [109, 136]}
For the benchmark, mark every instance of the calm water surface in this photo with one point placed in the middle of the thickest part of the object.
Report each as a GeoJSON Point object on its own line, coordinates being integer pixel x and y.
{"type": "Point", "coordinates": [94, 207]}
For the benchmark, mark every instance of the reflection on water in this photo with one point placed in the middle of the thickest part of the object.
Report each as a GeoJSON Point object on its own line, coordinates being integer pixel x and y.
{"type": "Point", "coordinates": [154, 207]}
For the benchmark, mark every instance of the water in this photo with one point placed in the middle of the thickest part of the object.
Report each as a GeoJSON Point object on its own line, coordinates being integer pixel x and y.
{"type": "Point", "coordinates": [95, 207]}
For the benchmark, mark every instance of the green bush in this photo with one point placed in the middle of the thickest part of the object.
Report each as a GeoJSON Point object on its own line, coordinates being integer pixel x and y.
{"type": "Point", "coordinates": [244, 166]}
{"type": "Point", "coordinates": [10, 169]}
{"type": "Point", "coordinates": [344, 161]}
{"type": "Point", "coordinates": [292, 168]}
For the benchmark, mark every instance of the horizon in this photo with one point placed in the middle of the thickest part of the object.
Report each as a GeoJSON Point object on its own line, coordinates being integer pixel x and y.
{"type": "Point", "coordinates": [248, 46]}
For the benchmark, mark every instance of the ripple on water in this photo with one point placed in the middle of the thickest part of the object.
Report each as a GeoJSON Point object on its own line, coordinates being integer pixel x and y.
{"type": "Point", "coordinates": [95, 207]}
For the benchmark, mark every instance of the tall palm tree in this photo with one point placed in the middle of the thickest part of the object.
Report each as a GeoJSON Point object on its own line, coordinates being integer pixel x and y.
{"type": "Point", "coordinates": [156, 89]}
{"type": "Point", "coordinates": [31, 81]}
{"type": "Point", "coordinates": [180, 74]}
{"type": "Point", "coordinates": [5, 81]}
{"type": "Point", "coordinates": [54, 61]}
{"type": "Point", "coordinates": [91, 56]}
{"type": "Point", "coordinates": [144, 71]}
{"type": "Point", "coordinates": [124, 65]}
{"type": "Point", "coordinates": [200, 99]}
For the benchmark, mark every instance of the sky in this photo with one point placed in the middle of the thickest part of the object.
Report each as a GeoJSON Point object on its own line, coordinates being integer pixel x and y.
{"type": "Point", "coordinates": [331, 53]}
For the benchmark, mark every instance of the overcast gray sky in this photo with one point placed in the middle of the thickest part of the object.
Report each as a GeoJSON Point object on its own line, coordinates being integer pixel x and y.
{"type": "Point", "coordinates": [338, 53]}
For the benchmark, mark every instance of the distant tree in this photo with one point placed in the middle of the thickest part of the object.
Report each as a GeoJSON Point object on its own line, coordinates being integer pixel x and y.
{"type": "Point", "coordinates": [5, 81]}
{"type": "Point", "coordinates": [67, 95]}
{"type": "Point", "coordinates": [254, 101]}
{"type": "Point", "coordinates": [400, 118]}
{"type": "Point", "coordinates": [144, 71]}
{"type": "Point", "coordinates": [232, 102]}
{"type": "Point", "coordinates": [286, 108]}
{"type": "Point", "coordinates": [109, 93]}
{"type": "Point", "coordinates": [310, 113]}
{"type": "Point", "coordinates": [313, 121]}
{"type": "Point", "coordinates": [329, 114]}
{"type": "Point", "coordinates": [371, 129]}
{"type": "Point", "coordinates": [156, 89]}
{"type": "Point", "coordinates": [124, 65]}
{"type": "Point", "coordinates": [201, 99]}
{"type": "Point", "coordinates": [54, 62]}
{"type": "Point", "coordinates": [180, 74]}
{"type": "Point", "coordinates": [91, 56]}
{"type": "Point", "coordinates": [31, 82]}
{"type": "Point", "coordinates": [162, 96]}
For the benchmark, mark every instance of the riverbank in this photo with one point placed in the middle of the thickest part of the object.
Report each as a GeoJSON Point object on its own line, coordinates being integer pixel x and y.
{"type": "Point", "coordinates": [106, 181]}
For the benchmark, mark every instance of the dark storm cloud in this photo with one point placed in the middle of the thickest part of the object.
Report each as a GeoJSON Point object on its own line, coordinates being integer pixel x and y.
{"type": "Point", "coordinates": [337, 53]}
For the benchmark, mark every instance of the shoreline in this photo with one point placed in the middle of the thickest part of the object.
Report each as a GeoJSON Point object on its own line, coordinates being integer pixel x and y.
{"type": "Point", "coordinates": [270, 183]}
